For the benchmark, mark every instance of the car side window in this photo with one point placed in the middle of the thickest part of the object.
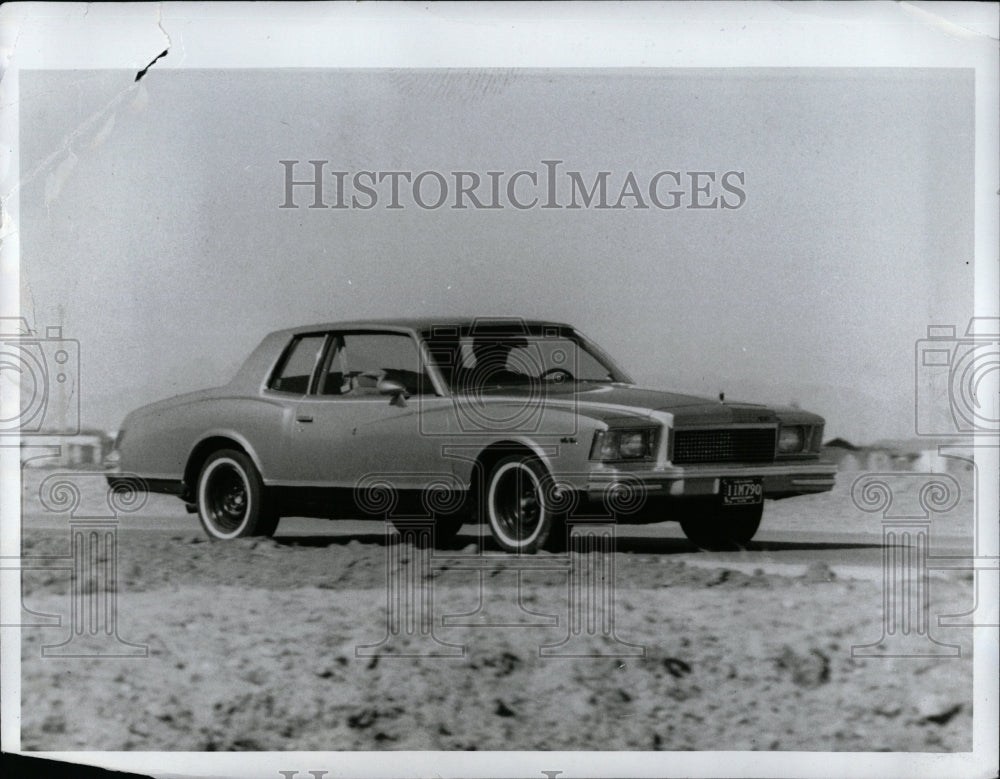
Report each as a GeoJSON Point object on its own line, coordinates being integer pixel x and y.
{"type": "Point", "coordinates": [298, 365]}
{"type": "Point", "coordinates": [359, 361]}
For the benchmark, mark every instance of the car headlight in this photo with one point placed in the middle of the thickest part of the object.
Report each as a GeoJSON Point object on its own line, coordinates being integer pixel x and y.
{"type": "Point", "coordinates": [791, 439]}
{"type": "Point", "coordinates": [632, 444]}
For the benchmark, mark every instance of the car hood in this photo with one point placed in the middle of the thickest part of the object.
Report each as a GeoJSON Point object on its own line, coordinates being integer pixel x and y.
{"type": "Point", "coordinates": [607, 401]}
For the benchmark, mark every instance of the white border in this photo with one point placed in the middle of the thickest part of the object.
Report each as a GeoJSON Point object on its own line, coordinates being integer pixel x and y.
{"type": "Point", "coordinates": [675, 35]}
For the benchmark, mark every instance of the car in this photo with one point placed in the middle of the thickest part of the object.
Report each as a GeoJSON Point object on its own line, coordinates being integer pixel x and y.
{"type": "Point", "coordinates": [525, 426]}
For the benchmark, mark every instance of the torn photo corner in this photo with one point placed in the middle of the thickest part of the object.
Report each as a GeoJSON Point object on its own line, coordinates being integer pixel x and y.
{"type": "Point", "coordinates": [478, 390]}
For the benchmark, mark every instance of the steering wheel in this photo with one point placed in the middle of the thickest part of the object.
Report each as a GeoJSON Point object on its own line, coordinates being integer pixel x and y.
{"type": "Point", "coordinates": [558, 375]}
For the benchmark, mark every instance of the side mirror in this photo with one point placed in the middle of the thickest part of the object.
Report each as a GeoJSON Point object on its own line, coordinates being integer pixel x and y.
{"type": "Point", "coordinates": [394, 388]}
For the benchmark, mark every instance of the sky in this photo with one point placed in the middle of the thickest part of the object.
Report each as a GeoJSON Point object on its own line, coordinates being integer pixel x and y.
{"type": "Point", "coordinates": [151, 228]}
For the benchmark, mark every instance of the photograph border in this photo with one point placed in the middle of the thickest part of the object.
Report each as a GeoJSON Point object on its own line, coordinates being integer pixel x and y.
{"type": "Point", "coordinates": [729, 35]}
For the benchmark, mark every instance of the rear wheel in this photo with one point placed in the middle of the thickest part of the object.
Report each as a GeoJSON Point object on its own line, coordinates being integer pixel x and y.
{"type": "Point", "coordinates": [232, 502]}
{"type": "Point", "coordinates": [722, 528]}
{"type": "Point", "coordinates": [516, 508]}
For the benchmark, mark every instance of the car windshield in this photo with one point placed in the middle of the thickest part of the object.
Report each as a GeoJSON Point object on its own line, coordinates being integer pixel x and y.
{"type": "Point", "coordinates": [472, 361]}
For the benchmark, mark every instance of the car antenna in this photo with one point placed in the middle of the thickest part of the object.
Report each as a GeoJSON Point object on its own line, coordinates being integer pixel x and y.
{"type": "Point", "coordinates": [722, 397]}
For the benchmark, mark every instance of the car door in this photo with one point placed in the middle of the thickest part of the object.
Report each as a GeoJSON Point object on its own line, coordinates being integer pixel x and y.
{"type": "Point", "coordinates": [347, 431]}
{"type": "Point", "coordinates": [290, 383]}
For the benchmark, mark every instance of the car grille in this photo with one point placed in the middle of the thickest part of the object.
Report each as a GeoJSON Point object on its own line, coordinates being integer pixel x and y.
{"type": "Point", "coordinates": [750, 445]}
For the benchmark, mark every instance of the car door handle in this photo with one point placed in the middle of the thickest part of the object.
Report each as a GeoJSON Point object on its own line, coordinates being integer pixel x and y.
{"type": "Point", "coordinates": [303, 418]}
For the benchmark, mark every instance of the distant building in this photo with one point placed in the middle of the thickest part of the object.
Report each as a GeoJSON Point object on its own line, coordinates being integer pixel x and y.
{"type": "Point", "coordinates": [845, 454]}
{"type": "Point", "coordinates": [904, 455]}
{"type": "Point", "coordinates": [86, 450]}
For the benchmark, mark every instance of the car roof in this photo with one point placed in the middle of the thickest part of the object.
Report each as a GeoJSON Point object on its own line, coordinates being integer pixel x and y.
{"type": "Point", "coordinates": [424, 324]}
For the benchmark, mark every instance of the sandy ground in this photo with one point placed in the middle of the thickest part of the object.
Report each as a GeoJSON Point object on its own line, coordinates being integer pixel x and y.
{"type": "Point", "coordinates": [281, 645]}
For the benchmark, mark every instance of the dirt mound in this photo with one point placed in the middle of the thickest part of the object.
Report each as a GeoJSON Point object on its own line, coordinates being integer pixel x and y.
{"type": "Point", "coordinates": [684, 667]}
{"type": "Point", "coordinates": [151, 560]}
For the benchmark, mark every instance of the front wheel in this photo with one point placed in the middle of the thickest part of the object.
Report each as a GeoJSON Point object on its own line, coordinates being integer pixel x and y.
{"type": "Point", "coordinates": [722, 528]}
{"type": "Point", "coordinates": [518, 513]}
{"type": "Point", "coordinates": [231, 499]}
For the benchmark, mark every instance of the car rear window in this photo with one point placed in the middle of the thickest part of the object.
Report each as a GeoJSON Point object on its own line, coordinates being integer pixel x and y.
{"type": "Point", "coordinates": [298, 365]}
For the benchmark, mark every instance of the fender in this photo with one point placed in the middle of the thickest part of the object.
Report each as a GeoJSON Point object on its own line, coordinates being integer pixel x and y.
{"type": "Point", "coordinates": [233, 435]}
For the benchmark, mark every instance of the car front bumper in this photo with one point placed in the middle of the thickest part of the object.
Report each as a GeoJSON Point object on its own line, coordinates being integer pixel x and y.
{"type": "Point", "coordinates": [779, 480]}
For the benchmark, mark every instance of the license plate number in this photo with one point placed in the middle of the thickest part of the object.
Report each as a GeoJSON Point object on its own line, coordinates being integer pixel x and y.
{"type": "Point", "coordinates": [742, 492]}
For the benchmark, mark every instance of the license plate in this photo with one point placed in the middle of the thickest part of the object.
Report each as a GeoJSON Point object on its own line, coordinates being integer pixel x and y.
{"type": "Point", "coordinates": [742, 492]}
